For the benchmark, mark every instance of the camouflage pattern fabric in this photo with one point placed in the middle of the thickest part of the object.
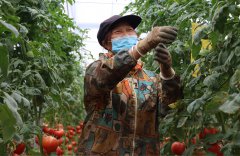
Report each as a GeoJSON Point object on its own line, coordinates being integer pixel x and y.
{"type": "Point", "coordinates": [123, 102]}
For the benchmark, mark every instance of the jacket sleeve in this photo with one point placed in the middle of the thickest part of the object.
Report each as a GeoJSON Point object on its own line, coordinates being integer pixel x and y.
{"type": "Point", "coordinates": [104, 75]}
{"type": "Point", "coordinates": [170, 92]}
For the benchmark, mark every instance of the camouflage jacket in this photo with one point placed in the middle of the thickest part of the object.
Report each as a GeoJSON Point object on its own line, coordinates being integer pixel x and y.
{"type": "Point", "coordinates": [123, 102]}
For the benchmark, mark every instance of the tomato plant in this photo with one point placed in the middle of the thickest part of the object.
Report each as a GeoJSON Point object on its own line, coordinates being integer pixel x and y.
{"type": "Point", "coordinates": [41, 71]}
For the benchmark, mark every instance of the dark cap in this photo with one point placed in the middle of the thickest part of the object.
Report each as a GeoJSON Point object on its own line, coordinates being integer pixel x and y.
{"type": "Point", "coordinates": [108, 24]}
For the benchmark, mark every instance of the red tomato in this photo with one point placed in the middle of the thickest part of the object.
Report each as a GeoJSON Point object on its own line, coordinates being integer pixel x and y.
{"type": "Point", "coordinates": [207, 131]}
{"type": "Point", "coordinates": [69, 147]}
{"type": "Point", "coordinates": [49, 143]}
{"type": "Point", "coordinates": [79, 131]}
{"type": "Point", "coordinates": [59, 151]}
{"type": "Point", "coordinates": [193, 140]}
{"type": "Point", "coordinates": [74, 143]}
{"type": "Point", "coordinates": [60, 141]}
{"type": "Point", "coordinates": [45, 129]}
{"type": "Point", "coordinates": [59, 133]}
{"type": "Point", "coordinates": [15, 154]}
{"type": "Point", "coordinates": [20, 148]}
{"type": "Point", "coordinates": [51, 131]}
{"type": "Point", "coordinates": [215, 148]}
{"type": "Point", "coordinates": [178, 147]}
{"type": "Point", "coordinates": [70, 137]}
{"type": "Point", "coordinates": [78, 127]}
{"type": "Point", "coordinates": [75, 150]}
{"type": "Point", "coordinates": [213, 130]}
{"type": "Point", "coordinates": [203, 134]}
{"type": "Point", "coordinates": [71, 132]}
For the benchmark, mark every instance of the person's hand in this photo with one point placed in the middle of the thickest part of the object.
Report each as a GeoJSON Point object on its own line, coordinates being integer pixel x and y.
{"type": "Point", "coordinates": [162, 56]}
{"type": "Point", "coordinates": [164, 34]}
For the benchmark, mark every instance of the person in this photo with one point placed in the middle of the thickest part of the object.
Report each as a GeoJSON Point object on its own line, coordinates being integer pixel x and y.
{"type": "Point", "coordinates": [123, 100]}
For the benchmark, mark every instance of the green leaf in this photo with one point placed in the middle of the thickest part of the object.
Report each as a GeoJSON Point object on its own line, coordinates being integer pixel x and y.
{"type": "Point", "coordinates": [6, 5]}
{"type": "Point", "coordinates": [25, 102]}
{"type": "Point", "coordinates": [33, 91]}
{"type": "Point", "coordinates": [27, 73]}
{"type": "Point", "coordinates": [212, 81]}
{"type": "Point", "coordinates": [39, 77]}
{"type": "Point", "coordinates": [23, 30]}
{"type": "Point", "coordinates": [35, 152]}
{"type": "Point", "coordinates": [213, 36]}
{"type": "Point", "coordinates": [4, 61]}
{"type": "Point", "coordinates": [195, 105]}
{"type": "Point", "coordinates": [232, 104]}
{"type": "Point", "coordinates": [184, 17]}
{"type": "Point", "coordinates": [10, 27]}
{"type": "Point", "coordinates": [200, 34]}
{"type": "Point", "coordinates": [195, 50]}
{"type": "Point", "coordinates": [17, 63]}
{"type": "Point", "coordinates": [20, 99]}
{"type": "Point", "coordinates": [235, 80]}
{"type": "Point", "coordinates": [16, 97]}
{"type": "Point", "coordinates": [182, 121]}
{"type": "Point", "coordinates": [237, 51]}
{"type": "Point", "coordinates": [217, 100]}
{"type": "Point", "coordinates": [220, 18]}
{"type": "Point", "coordinates": [14, 1]}
{"type": "Point", "coordinates": [33, 2]}
{"type": "Point", "coordinates": [13, 106]}
{"type": "Point", "coordinates": [213, 138]}
{"type": "Point", "coordinates": [3, 148]}
{"type": "Point", "coordinates": [7, 122]}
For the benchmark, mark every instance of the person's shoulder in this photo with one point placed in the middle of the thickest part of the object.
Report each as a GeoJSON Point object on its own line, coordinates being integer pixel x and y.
{"type": "Point", "coordinates": [92, 66]}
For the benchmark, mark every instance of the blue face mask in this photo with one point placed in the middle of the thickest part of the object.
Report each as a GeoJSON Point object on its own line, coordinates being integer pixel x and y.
{"type": "Point", "coordinates": [121, 43]}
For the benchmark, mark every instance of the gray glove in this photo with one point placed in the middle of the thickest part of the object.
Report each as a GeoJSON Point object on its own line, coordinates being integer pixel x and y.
{"type": "Point", "coordinates": [162, 56]}
{"type": "Point", "coordinates": [164, 34]}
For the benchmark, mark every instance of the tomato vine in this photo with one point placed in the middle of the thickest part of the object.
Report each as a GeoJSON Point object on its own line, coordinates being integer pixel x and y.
{"type": "Point", "coordinates": [40, 70]}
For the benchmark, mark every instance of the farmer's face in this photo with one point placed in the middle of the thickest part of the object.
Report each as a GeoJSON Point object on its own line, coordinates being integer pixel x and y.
{"type": "Point", "coordinates": [120, 30]}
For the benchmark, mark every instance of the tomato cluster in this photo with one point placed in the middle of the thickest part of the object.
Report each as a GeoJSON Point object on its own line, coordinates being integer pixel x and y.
{"type": "Point", "coordinates": [213, 147]}
{"type": "Point", "coordinates": [207, 131]}
{"type": "Point", "coordinates": [59, 139]}
{"type": "Point", "coordinates": [178, 148]}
